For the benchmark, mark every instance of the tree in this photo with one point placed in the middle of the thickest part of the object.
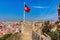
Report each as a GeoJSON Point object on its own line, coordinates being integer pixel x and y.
{"type": "Point", "coordinates": [5, 36]}
{"type": "Point", "coordinates": [46, 27]}
{"type": "Point", "coordinates": [53, 35]}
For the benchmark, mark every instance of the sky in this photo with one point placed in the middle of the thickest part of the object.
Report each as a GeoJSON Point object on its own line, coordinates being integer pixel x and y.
{"type": "Point", "coordinates": [13, 10]}
{"type": "Point", "coordinates": [42, 10]}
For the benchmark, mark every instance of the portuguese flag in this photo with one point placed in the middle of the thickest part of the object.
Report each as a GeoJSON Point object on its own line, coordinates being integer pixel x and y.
{"type": "Point", "coordinates": [27, 9]}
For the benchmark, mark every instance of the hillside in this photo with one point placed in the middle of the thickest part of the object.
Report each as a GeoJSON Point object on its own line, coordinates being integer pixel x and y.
{"type": "Point", "coordinates": [16, 36]}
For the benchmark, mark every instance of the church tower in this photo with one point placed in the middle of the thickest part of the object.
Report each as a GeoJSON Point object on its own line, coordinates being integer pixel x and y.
{"type": "Point", "coordinates": [59, 13]}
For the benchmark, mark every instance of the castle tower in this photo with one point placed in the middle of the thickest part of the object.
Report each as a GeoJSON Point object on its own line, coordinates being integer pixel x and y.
{"type": "Point", "coordinates": [59, 13]}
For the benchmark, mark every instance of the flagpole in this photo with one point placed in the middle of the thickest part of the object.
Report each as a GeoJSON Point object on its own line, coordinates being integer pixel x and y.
{"type": "Point", "coordinates": [24, 12]}
{"type": "Point", "coordinates": [23, 19]}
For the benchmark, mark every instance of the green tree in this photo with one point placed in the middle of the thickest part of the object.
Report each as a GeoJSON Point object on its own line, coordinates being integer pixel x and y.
{"type": "Point", "coordinates": [46, 27]}
{"type": "Point", "coordinates": [53, 35]}
{"type": "Point", "coordinates": [5, 36]}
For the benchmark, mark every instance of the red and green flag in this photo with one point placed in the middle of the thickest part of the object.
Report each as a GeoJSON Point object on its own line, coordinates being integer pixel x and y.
{"type": "Point", "coordinates": [27, 9]}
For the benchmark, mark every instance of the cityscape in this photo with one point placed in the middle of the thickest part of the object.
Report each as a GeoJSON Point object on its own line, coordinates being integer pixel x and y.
{"type": "Point", "coordinates": [27, 30]}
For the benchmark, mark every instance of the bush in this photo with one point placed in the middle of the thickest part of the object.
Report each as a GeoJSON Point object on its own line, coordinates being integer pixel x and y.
{"type": "Point", "coordinates": [5, 36]}
{"type": "Point", "coordinates": [46, 30]}
{"type": "Point", "coordinates": [53, 35]}
{"type": "Point", "coordinates": [46, 27]}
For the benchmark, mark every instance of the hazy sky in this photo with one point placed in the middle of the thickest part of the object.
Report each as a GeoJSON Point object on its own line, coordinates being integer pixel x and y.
{"type": "Point", "coordinates": [13, 10]}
